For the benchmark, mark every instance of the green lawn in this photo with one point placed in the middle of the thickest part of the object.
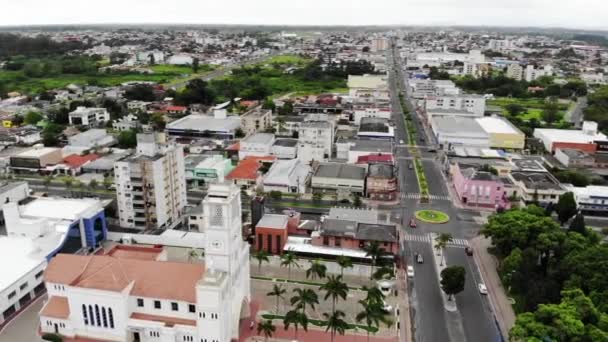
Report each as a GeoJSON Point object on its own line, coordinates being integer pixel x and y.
{"type": "Point", "coordinates": [533, 107]}
{"type": "Point", "coordinates": [288, 59]}
{"type": "Point", "coordinates": [432, 216]}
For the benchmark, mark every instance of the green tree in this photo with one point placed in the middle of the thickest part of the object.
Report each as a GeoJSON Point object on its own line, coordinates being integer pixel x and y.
{"type": "Point", "coordinates": [578, 224]}
{"type": "Point", "coordinates": [127, 139]}
{"type": "Point", "coordinates": [297, 319]}
{"type": "Point", "coordinates": [316, 269]}
{"type": "Point", "coordinates": [158, 120]}
{"type": "Point", "coordinates": [279, 292]}
{"type": "Point", "coordinates": [303, 298]}
{"type": "Point", "coordinates": [373, 314]}
{"type": "Point", "coordinates": [32, 118]}
{"type": "Point", "coordinates": [566, 207]}
{"type": "Point", "coordinates": [344, 262]}
{"type": "Point", "coordinates": [317, 197]}
{"type": "Point", "coordinates": [550, 113]}
{"type": "Point", "coordinates": [195, 65]}
{"type": "Point", "coordinates": [261, 256]}
{"type": "Point", "coordinates": [334, 288]}
{"type": "Point", "coordinates": [47, 180]}
{"type": "Point", "coordinates": [441, 242]}
{"type": "Point", "coordinates": [452, 280]}
{"type": "Point", "coordinates": [276, 195]}
{"type": "Point", "coordinates": [375, 252]}
{"type": "Point", "coordinates": [107, 182]}
{"type": "Point", "coordinates": [373, 295]}
{"type": "Point", "coordinates": [268, 104]}
{"type": "Point", "coordinates": [289, 260]}
{"type": "Point", "coordinates": [357, 200]}
{"type": "Point", "coordinates": [335, 323]}
{"type": "Point", "coordinates": [93, 184]}
{"type": "Point", "coordinates": [267, 328]}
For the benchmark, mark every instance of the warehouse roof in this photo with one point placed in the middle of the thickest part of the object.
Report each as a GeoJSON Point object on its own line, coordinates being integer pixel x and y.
{"type": "Point", "coordinates": [335, 170]}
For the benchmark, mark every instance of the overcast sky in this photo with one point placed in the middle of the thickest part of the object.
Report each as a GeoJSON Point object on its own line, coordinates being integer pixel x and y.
{"type": "Point", "coordinates": [552, 13]}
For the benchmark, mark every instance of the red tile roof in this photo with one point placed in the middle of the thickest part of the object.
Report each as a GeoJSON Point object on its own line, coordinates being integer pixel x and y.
{"type": "Point", "coordinates": [135, 252]}
{"type": "Point", "coordinates": [375, 158]}
{"type": "Point", "coordinates": [75, 161]}
{"type": "Point", "coordinates": [248, 168]}
{"type": "Point", "coordinates": [176, 108]}
{"type": "Point", "coordinates": [56, 307]}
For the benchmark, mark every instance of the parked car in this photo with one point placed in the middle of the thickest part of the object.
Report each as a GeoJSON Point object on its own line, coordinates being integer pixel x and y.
{"type": "Point", "coordinates": [469, 251]}
{"type": "Point", "coordinates": [401, 142]}
{"type": "Point", "coordinates": [410, 271]}
{"type": "Point", "coordinates": [387, 307]}
{"type": "Point", "coordinates": [410, 166]}
{"type": "Point", "coordinates": [412, 223]}
{"type": "Point", "coordinates": [482, 288]}
{"type": "Point", "coordinates": [419, 258]}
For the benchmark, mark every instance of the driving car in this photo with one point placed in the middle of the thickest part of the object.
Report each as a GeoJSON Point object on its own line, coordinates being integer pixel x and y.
{"type": "Point", "coordinates": [410, 271]}
{"type": "Point", "coordinates": [468, 250]}
{"type": "Point", "coordinates": [419, 258]}
{"type": "Point", "coordinates": [412, 223]}
{"type": "Point", "coordinates": [482, 288]}
{"type": "Point", "coordinates": [401, 142]}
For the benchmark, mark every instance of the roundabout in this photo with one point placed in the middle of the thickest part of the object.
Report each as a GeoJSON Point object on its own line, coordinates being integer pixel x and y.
{"type": "Point", "coordinates": [432, 216]}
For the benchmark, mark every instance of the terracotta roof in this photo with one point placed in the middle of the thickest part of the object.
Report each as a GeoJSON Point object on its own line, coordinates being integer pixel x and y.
{"type": "Point", "coordinates": [234, 147]}
{"type": "Point", "coordinates": [248, 168]}
{"type": "Point", "coordinates": [56, 307]}
{"type": "Point", "coordinates": [135, 252]}
{"type": "Point", "coordinates": [153, 279]}
{"type": "Point", "coordinates": [176, 108]}
{"type": "Point", "coordinates": [375, 158]}
{"type": "Point", "coordinates": [75, 161]}
{"type": "Point", "coordinates": [169, 321]}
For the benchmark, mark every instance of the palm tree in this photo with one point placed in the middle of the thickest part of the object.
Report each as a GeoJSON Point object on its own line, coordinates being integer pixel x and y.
{"type": "Point", "coordinates": [107, 182]}
{"type": "Point", "coordinates": [334, 288]}
{"type": "Point", "coordinates": [68, 181]}
{"type": "Point", "coordinates": [373, 314]}
{"type": "Point", "coordinates": [373, 295]}
{"type": "Point", "coordinates": [279, 292]}
{"type": "Point", "coordinates": [267, 328]}
{"type": "Point", "coordinates": [288, 260]}
{"type": "Point", "coordinates": [441, 242]}
{"type": "Point", "coordinates": [304, 297]}
{"type": "Point", "coordinates": [316, 269]}
{"type": "Point", "coordinates": [47, 182]}
{"type": "Point", "coordinates": [296, 318]}
{"type": "Point", "coordinates": [335, 323]}
{"type": "Point", "coordinates": [93, 184]}
{"type": "Point", "coordinates": [261, 256]}
{"type": "Point", "coordinates": [375, 252]}
{"type": "Point", "coordinates": [344, 262]}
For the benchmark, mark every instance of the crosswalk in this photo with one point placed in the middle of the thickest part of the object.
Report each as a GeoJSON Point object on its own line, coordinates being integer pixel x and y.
{"type": "Point", "coordinates": [432, 197]}
{"type": "Point", "coordinates": [427, 238]}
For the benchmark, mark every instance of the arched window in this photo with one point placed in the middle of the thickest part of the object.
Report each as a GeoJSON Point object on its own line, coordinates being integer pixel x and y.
{"type": "Point", "coordinates": [111, 318]}
{"type": "Point", "coordinates": [97, 317]}
{"type": "Point", "coordinates": [105, 318]}
{"type": "Point", "coordinates": [91, 316]}
{"type": "Point", "coordinates": [84, 314]}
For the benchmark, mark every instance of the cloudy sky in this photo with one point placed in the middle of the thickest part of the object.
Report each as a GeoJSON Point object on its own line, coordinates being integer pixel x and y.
{"type": "Point", "coordinates": [552, 13]}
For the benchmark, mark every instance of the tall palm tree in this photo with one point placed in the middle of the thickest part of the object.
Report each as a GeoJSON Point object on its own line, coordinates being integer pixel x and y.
{"type": "Point", "coordinates": [316, 269]}
{"type": "Point", "coordinates": [304, 297]}
{"type": "Point", "coordinates": [375, 252]}
{"type": "Point", "coordinates": [373, 314]}
{"type": "Point", "coordinates": [441, 242]}
{"type": "Point", "coordinates": [373, 295]}
{"type": "Point", "coordinates": [288, 259]}
{"type": "Point", "coordinates": [334, 288]}
{"type": "Point", "coordinates": [261, 256]}
{"type": "Point", "coordinates": [295, 318]}
{"type": "Point", "coordinates": [344, 262]}
{"type": "Point", "coordinates": [267, 328]}
{"type": "Point", "coordinates": [279, 292]}
{"type": "Point", "coordinates": [335, 323]}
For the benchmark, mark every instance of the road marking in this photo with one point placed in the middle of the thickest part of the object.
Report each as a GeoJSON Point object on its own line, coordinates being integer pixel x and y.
{"type": "Point", "coordinates": [426, 238]}
{"type": "Point", "coordinates": [433, 197]}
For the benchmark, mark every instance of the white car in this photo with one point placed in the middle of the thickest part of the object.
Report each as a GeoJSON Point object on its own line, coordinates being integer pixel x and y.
{"type": "Point", "coordinates": [401, 142]}
{"type": "Point", "coordinates": [482, 288]}
{"type": "Point", "coordinates": [410, 271]}
{"type": "Point", "coordinates": [387, 307]}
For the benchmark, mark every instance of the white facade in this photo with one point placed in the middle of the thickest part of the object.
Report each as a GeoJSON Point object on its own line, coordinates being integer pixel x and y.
{"type": "Point", "coordinates": [373, 112]}
{"type": "Point", "coordinates": [154, 300]}
{"type": "Point", "coordinates": [151, 186]}
{"type": "Point", "coordinates": [317, 134]}
{"type": "Point", "coordinates": [287, 176]}
{"type": "Point", "coordinates": [88, 116]}
{"type": "Point", "coordinates": [471, 103]}
{"type": "Point", "coordinates": [379, 44]}
{"type": "Point", "coordinates": [531, 74]}
{"type": "Point", "coordinates": [256, 145]}
{"type": "Point", "coordinates": [515, 71]}
{"type": "Point", "coordinates": [310, 152]}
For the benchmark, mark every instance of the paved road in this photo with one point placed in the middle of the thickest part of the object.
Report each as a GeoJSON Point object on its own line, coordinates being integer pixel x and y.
{"type": "Point", "coordinates": [23, 328]}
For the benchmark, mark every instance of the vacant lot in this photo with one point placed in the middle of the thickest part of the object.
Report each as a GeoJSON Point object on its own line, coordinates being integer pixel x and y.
{"type": "Point", "coordinates": [533, 106]}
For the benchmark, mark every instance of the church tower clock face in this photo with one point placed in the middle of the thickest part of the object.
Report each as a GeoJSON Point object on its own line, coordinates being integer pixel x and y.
{"type": "Point", "coordinates": [217, 244]}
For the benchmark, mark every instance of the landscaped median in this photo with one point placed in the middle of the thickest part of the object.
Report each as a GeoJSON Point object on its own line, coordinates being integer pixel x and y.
{"type": "Point", "coordinates": [422, 183]}
{"type": "Point", "coordinates": [432, 216]}
{"type": "Point", "coordinates": [319, 323]}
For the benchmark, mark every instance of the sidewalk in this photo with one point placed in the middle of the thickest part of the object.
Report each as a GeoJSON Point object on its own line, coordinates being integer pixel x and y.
{"type": "Point", "coordinates": [449, 305]}
{"type": "Point", "coordinates": [405, 323]}
{"type": "Point", "coordinates": [503, 311]}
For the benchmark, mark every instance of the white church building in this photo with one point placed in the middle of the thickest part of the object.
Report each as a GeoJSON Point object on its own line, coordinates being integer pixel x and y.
{"type": "Point", "coordinates": [131, 294]}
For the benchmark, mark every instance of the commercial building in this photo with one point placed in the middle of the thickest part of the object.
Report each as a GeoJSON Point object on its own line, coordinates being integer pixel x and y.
{"type": "Point", "coordinates": [368, 88]}
{"type": "Point", "coordinates": [478, 188]}
{"type": "Point", "coordinates": [218, 125]}
{"type": "Point", "coordinates": [285, 148]}
{"type": "Point", "coordinates": [256, 145]}
{"type": "Point", "coordinates": [35, 159]}
{"type": "Point", "coordinates": [317, 134]}
{"type": "Point", "coordinates": [36, 231]}
{"type": "Point", "coordinates": [133, 295]}
{"type": "Point", "coordinates": [537, 186]}
{"type": "Point", "coordinates": [591, 200]}
{"type": "Point", "coordinates": [256, 120]}
{"type": "Point", "coordinates": [246, 173]}
{"type": "Point", "coordinates": [381, 182]}
{"type": "Point", "coordinates": [485, 132]}
{"type": "Point", "coordinates": [502, 133]}
{"type": "Point", "coordinates": [271, 233]}
{"type": "Point", "coordinates": [422, 88]}
{"type": "Point", "coordinates": [584, 139]}
{"type": "Point", "coordinates": [350, 150]}
{"type": "Point", "coordinates": [206, 169]}
{"type": "Point", "coordinates": [376, 128]}
{"type": "Point", "coordinates": [88, 116]}
{"type": "Point", "coordinates": [89, 140]}
{"type": "Point", "coordinates": [475, 104]}
{"type": "Point", "coordinates": [353, 235]}
{"type": "Point", "coordinates": [337, 177]}
{"type": "Point", "coordinates": [151, 185]}
{"type": "Point", "coordinates": [371, 112]}
{"type": "Point", "coordinates": [287, 176]}
{"type": "Point", "coordinates": [12, 192]}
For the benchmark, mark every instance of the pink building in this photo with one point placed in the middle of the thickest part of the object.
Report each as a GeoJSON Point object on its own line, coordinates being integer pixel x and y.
{"type": "Point", "coordinates": [478, 188]}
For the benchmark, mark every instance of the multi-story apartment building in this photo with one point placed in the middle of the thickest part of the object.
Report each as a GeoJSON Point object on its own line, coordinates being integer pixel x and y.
{"type": "Point", "coordinates": [317, 134]}
{"type": "Point", "coordinates": [132, 293]}
{"type": "Point", "coordinates": [151, 185]}
{"type": "Point", "coordinates": [471, 103]}
{"type": "Point", "coordinates": [531, 74]}
{"type": "Point", "coordinates": [88, 116]}
{"type": "Point", "coordinates": [515, 71]}
{"type": "Point", "coordinates": [256, 120]}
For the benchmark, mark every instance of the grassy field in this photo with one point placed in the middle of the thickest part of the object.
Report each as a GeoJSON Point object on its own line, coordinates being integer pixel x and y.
{"type": "Point", "coordinates": [289, 60]}
{"type": "Point", "coordinates": [17, 81]}
{"type": "Point", "coordinates": [533, 106]}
